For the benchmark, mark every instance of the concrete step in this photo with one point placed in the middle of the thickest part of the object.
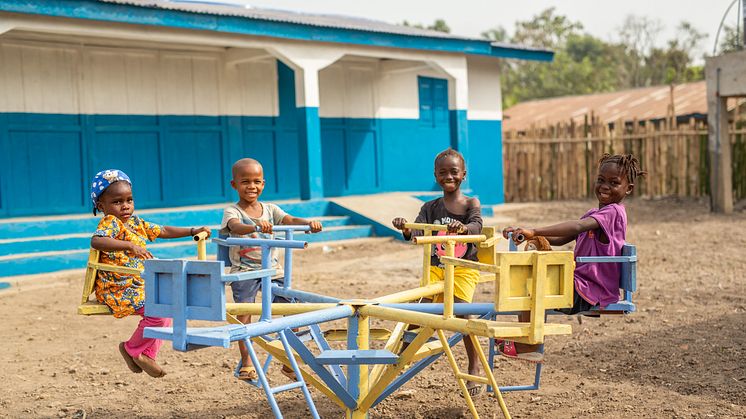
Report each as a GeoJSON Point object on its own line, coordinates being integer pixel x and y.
{"type": "Point", "coordinates": [11, 228]}
{"type": "Point", "coordinates": [51, 261]}
{"type": "Point", "coordinates": [79, 241]}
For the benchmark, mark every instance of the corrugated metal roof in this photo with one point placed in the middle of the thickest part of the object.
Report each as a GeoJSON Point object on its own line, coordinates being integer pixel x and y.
{"type": "Point", "coordinates": [286, 16]}
{"type": "Point", "coordinates": [643, 104]}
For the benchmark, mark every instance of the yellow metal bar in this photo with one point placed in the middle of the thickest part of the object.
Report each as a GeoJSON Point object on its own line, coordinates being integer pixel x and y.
{"type": "Point", "coordinates": [428, 349]}
{"type": "Point", "coordinates": [489, 242]}
{"type": "Point", "coordinates": [457, 373]}
{"type": "Point", "coordinates": [490, 376]}
{"type": "Point", "coordinates": [392, 344]}
{"type": "Point", "coordinates": [114, 268]}
{"type": "Point", "coordinates": [392, 371]}
{"type": "Point", "coordinates": [450, 260]}
{"type": "Point", "coordinates": [476, 238]}
{"type": "Point", "coordinates": [410, 295]}
{"type": "Point", "coordinates": [363, 343]}
{"type": "Point", "coordinates": [426, 227]}
{"type": "Point", "coordinates": [427, 251]}
{"type": "Point", "coordinates": [279, 353]}
{"type": "Point", "coordinates": [487, 328]}
{"type": "Point", "coordinates": [339, 335]}
{"type": "Point", "coordinates": [448, 288]}
{"type": "Point", "coordinates": [283, 309]}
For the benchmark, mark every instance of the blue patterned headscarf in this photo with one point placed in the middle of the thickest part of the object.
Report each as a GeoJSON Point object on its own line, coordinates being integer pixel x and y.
{"type": "Point", "coordinates": [103, 180]}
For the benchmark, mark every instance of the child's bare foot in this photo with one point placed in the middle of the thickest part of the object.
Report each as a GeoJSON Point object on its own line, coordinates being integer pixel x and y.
{"type": "Point", "coordinates": [519, 351]}
{"type": "Point", "coordinates": [128, 359]}
{"type": "Point", "coordinates": [149, 365]}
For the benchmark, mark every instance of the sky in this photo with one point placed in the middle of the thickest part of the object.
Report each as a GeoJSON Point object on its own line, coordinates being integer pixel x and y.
{"type": "Point", "coordinates": [600, 18]}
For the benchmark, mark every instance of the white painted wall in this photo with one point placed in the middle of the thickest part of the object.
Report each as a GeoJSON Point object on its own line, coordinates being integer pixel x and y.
{"type": "Point", "coordinates": [37, 77]}
{"type": "Point", "coordinates": [348, 89]}
{"type": "Point", "coordinates": [485, 95]}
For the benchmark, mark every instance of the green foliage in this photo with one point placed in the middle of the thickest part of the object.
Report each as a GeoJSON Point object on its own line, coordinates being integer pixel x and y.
{"type": "Point", "coordinates": [730, 40]}
{"type": "Point", "coordinates": [585, 64]}
{"type": "Point", "coordinates": [439, 25]}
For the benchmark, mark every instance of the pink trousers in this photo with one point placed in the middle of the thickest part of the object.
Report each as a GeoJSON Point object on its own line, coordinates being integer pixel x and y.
{"type": "Point", "coordinates": [138, 344]}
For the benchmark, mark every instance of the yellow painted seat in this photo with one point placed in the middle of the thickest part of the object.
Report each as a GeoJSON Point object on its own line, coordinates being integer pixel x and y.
{"type": "Point", "coordinates": [90, 307]}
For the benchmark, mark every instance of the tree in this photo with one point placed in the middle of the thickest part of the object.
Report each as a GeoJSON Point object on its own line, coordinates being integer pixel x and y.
{"type": "Point", "coordinates": [439, 25]}
{"type": "Point", "coordinates": [730, 41]}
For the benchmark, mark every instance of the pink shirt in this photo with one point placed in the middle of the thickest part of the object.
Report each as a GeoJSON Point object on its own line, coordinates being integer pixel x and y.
{"type": "Point", "coordinates": [598, 283]}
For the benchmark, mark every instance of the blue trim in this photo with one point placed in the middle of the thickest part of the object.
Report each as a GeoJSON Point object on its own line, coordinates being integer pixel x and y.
{"type": "Point", "coordinates": [93, 10]}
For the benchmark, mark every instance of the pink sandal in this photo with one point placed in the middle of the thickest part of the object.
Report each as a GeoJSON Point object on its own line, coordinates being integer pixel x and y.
{"type": "Point", "coordinates": [507, 349]}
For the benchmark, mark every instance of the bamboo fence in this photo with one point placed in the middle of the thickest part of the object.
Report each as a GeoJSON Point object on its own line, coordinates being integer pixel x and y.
{"type": "Point", "coordinates": [560, 161]}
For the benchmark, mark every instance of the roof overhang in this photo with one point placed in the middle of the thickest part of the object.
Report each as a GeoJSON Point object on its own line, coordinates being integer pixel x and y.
{"type": "Point", "coordinates": [152, 16]}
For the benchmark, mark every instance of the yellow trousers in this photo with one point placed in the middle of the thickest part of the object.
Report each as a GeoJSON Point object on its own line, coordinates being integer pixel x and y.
{"type": "Point", "coordinates": [465, 281]}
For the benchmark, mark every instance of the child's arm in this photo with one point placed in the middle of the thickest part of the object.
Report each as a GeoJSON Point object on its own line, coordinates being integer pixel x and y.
{"type": "Point", "coordinates": [473, 220]}
{"type": "Point", "coordinates": [170, 232]}
{"type": "Point", "coordinates": [314, 224]}
{"type": "Point", "coordinates": [110, 244]}
{"type": "Point", "coordinates": [235, 226]}
{"type": "Point", "coordinates": [557, 234]}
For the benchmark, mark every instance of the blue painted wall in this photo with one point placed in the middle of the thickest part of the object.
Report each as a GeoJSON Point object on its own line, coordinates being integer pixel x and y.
{"type": "Point", "coordinates": [48, 159]}
{"type": "Point", "coordinates": [486, 161]}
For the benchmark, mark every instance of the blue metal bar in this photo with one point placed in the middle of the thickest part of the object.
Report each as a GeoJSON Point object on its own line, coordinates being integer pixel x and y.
{"type": "Point", "coordinates": [353, 371]}
{"type": "Point", "coordinates": [288, 264]}
{"type": "Point", "coordinates": [266, 285]}
{"type": "Point", "coordinates": [263, 379]}
{"type": "Point", "coordinates": [298, 320]}
{"type": "Point", "coordinates": [294, 244]}
{"type": "Point", "coordinates": [323, 345]}
{"type": "Point", "coordinates": [511, 244]}
{"type": "Point", "coordinates": [304, 296]}
{"type": "Point", "coordinates": [606, 259]}
{"type": "Point", "coordinates": [324, 374]}
{"type": "Point", "coordinates": [459, 309]}
{"type": "Point", "coordinates": [298, 376]}
{"type": "Point", "coordinates": [286, 387]}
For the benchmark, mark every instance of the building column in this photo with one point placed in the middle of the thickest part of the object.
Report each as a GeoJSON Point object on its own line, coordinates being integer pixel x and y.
{"type": "Point", "coordinates": [306, 61]}
{"type": "Point", "coordinates": [309, 134]}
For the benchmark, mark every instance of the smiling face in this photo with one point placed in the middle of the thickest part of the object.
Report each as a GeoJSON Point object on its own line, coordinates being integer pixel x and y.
{"type": "Point", "coordinates": [611, 184]}
{"type": "Point", "coordinates": [449, 173]}
{"type": "Point", "coordinates": [248, 181]}
{"type": "Point", "coordinates": [117, 201]}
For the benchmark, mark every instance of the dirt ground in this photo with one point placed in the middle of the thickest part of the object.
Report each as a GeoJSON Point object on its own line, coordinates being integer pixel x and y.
{"type": "Point", "coordinates": [682, 355]}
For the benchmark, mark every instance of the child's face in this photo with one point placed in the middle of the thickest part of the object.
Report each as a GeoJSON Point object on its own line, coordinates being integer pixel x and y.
{"type": "Point", "coordinates": [117, 201]}
{"type": "Point", "coordinates": [611, 184]}
{"type": "Point", "coordinates": [249, 182]}
{"type": "Point", "coordinates": [449, 173]}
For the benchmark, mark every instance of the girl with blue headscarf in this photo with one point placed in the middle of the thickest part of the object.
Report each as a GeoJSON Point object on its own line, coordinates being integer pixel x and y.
{"type": "Point", "coordinates": [120, 238]}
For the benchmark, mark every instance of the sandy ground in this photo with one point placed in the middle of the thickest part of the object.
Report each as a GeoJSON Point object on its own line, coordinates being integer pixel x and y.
{"type": "Point", "coordinates": [682, 355]}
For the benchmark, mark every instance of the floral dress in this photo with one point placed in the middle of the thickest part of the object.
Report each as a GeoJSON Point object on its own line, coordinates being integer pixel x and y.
{"type": "Point", "coordinates": [124, 294]}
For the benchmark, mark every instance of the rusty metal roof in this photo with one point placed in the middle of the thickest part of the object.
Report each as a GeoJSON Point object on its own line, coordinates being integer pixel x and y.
{"type": "Point", "coordinates": [646, 103]}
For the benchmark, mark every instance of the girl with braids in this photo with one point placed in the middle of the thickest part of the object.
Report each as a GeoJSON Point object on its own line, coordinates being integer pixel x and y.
{"type": "Point", "coordinates": [599, 232]}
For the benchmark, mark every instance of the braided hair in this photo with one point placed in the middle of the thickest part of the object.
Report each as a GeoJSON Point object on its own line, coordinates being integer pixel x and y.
{"type": "Point", "coordinates": [449, 152]}
{"type": "Point", "coordinates": [628, 164]}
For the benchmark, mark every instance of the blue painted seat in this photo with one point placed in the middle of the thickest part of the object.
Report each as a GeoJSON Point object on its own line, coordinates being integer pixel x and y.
{"type": "Point", "coordinates": [191, 290]}
{"type": "Point", "coordinates": [627, 280]}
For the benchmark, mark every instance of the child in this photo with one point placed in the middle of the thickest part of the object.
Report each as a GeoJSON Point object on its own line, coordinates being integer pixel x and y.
{"type": "Point", "coordinates": [242, 220]}
{"type": "Point", "coordinates": [599, 232]}
{"type": "Point", "coordinates": [120, 237]}
{"type": "Point", "coordinates": [462, 215]}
